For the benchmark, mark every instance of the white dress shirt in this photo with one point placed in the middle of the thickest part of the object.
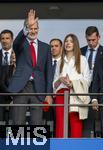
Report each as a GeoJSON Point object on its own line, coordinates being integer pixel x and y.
{"type": "Point", "coordinates": [57, 59]}
{"type": "Point", "coordinates": [94, 56]}
{"type": "Point", "coordinates": [35, 44]}
{"type": "Point", "coordinates": [9, 55]}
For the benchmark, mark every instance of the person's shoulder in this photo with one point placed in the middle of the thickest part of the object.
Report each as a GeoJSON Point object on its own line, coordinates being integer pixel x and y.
{"type": "Point", "coordinates": [101, 47]}
{"type": "Point", "coordinates": [83, 50]}
{"type": "Point", "coordinates": [83, 58]}
{"type": "Point", "coordinates": [43, 43]}
{"type": "Point", "coordinates": [100, 52]}
{"type": "Point", "coordinates": [84, 47]}
{"type": "Point", "coordinates": [46, 47]}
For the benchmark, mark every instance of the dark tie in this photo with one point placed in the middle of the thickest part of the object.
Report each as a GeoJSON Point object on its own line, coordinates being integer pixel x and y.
{"type": "Point", "coordinates": [90, 58]}
{"type": "Point", "coordinates": [6, 58]}
{"type": "Point", "coordinates": [33, 54]}
{"type": "Point", "coordinates": [54, 66]}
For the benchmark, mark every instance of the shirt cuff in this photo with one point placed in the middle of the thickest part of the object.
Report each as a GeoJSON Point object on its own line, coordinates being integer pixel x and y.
{"type": "Point", "coordinates": [25, 31]}
{"type": "Point", "coordinates": [94, 100]}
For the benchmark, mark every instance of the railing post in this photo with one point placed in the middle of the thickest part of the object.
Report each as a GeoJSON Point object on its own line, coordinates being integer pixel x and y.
{"type": "Point", "coordinates": [66, 97]}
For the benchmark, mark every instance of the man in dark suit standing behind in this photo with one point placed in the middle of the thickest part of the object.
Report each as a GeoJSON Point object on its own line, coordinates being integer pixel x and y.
{"type": "Point", "coordinates": [93, 52]}
{"type": "Point", "coordinates": [7, 67]}
{"type": "Point", "coordinates": [56, 51]}
{"type": "Point", "coordinates": [33, 72]}
{"type": "Point", "coordinates": [97, 87]}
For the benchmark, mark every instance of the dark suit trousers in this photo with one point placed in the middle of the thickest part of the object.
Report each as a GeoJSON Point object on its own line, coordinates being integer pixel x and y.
{"type": "Point", "coordinates": [88, 124]}
{"type": "Point", "coordinates": [19, 113]}
{"type": "Point", "coordinates": [98, 123]}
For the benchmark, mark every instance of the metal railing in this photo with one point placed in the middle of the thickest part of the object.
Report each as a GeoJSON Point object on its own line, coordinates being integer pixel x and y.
{"type": "Point", "coordinates": [66, 108]}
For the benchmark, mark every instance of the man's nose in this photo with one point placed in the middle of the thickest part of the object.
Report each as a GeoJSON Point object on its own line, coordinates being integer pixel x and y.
{"type": "Point", "coordinates": [33, 31]}
{"type": "Point", "coordinates": [4, 42]}
{"type": "Point", "coordinates": [91, 42]}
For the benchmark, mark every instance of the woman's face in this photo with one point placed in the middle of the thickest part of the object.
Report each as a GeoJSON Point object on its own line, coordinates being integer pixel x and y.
{"type": "Point", "coordinates": [69, 45]}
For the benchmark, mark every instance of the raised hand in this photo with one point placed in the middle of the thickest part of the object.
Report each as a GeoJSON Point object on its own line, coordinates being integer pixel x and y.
{"type": "Point", "coordinates": [31, 19]}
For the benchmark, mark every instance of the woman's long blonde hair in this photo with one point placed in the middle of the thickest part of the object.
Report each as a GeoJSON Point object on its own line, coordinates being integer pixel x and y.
{"type": "Point", "coordinates": [77, 52]}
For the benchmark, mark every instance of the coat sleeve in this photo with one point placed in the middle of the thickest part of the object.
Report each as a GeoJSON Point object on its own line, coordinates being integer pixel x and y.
{"type": "Point", "coordinates": [96, 82]}
{"type": "Point", "coordinates": [81, 86]}
{"type": "Point", "coordinates": [49, 72]}
{"type": "Point", "coordinates": [18, 42]}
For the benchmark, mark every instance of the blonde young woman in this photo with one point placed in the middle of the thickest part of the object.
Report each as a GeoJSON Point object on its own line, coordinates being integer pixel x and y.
{"type": "Point", "coordinates": [72, 73]}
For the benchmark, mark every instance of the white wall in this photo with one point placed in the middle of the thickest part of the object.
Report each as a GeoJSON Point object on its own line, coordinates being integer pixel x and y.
{"type": "Point", "coordinates": [57, 28]}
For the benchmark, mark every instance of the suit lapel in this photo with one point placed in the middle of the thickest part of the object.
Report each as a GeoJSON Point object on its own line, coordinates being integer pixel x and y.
{"type": "Point", "coordinates": [27, 52]}
{"type": "Point", "coordinates": [39, 54]}
{"type": "Point", "coordinates": [99, 53]}
{"type": "Point", "coordinates": [85, 50]}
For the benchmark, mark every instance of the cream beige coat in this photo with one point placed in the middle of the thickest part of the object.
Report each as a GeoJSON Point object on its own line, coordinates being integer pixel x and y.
{"type": "Point", "coordinates": [80, 82]}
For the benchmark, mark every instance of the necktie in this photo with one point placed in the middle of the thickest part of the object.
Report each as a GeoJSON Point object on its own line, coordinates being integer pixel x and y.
{"type": "Point", "coordinates": [33, 54]}
{"type": "Point", "coordinates": [54, 67]}
{"type": "Point", "coordinates": [90, 59]}
{"type": "Point", "coordinates": [6, 58]}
